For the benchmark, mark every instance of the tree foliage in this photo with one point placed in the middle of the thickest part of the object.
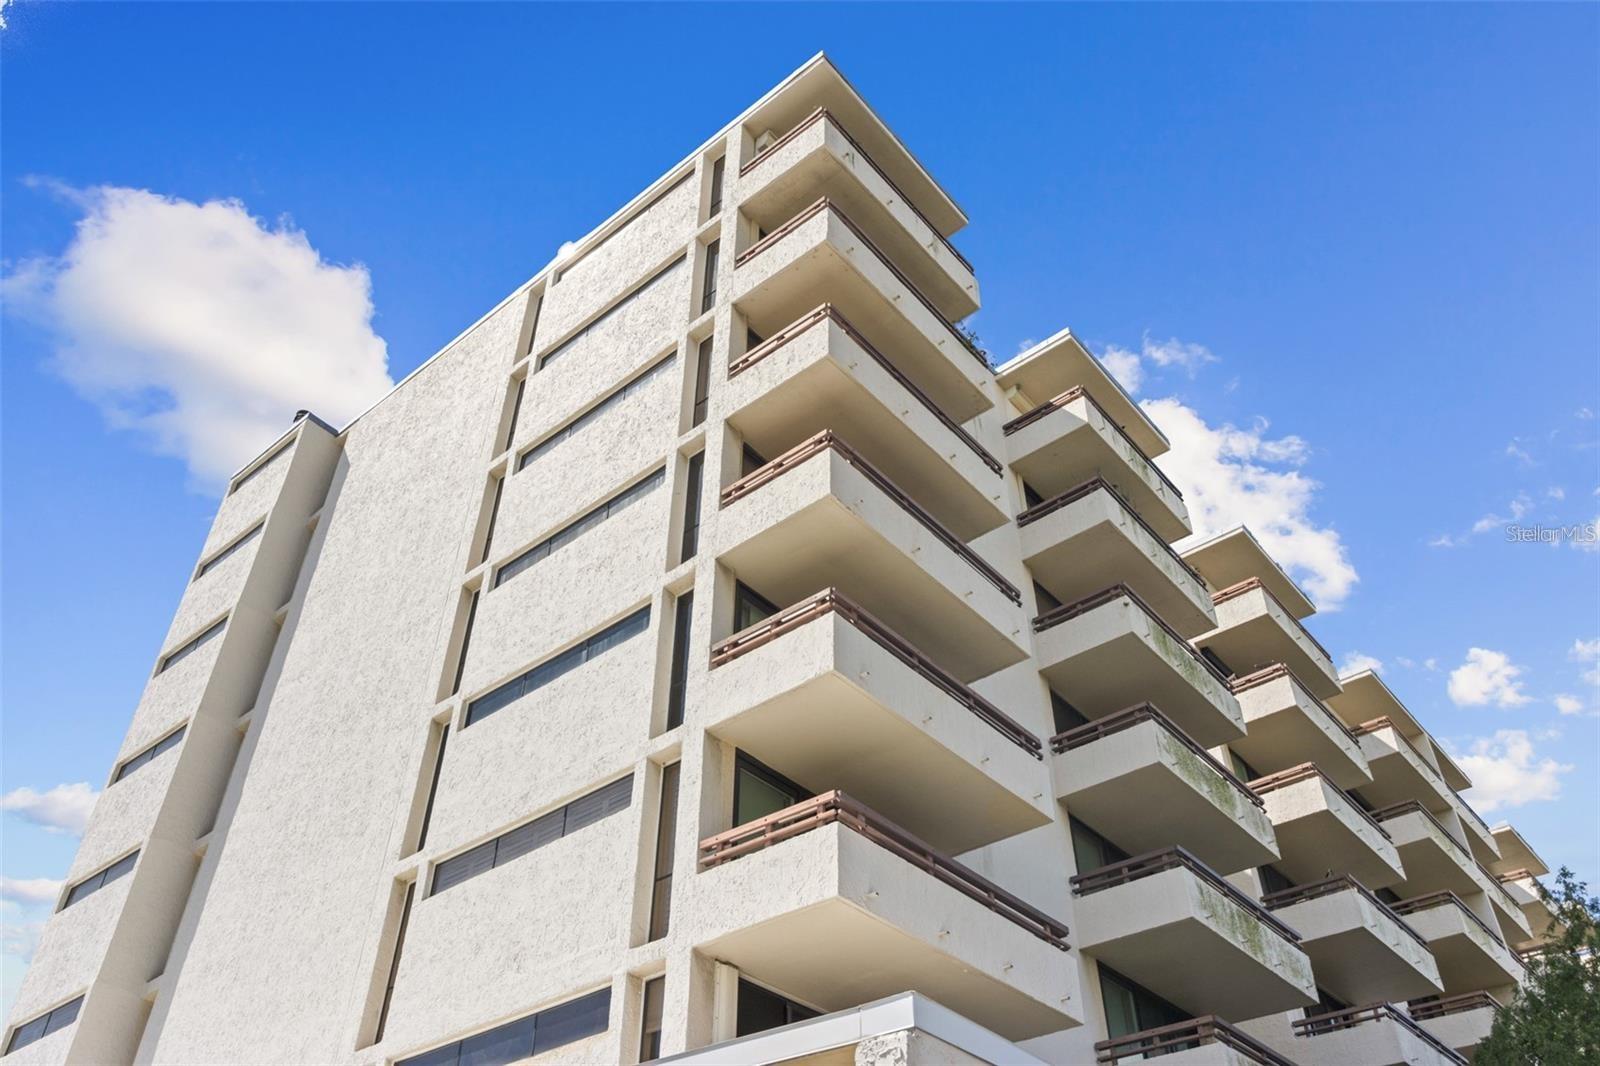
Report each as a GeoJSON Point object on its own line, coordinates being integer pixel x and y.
{"type": "Point", "coordinates": [1555, 1015]}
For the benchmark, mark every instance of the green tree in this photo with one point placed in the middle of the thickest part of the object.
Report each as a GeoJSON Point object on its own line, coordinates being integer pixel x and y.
{"type": "Point", "coordinates": [1555, 1015]}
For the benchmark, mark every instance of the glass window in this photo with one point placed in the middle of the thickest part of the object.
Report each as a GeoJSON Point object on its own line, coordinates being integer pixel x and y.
{"type": "Point", "coordinates": [750, 461]}
{"type": "Point", "coordinates": [750, 607]}
{"type": "Point", "coordinates": [1064, 714]}
{"type": "Point", "coordinates": [1131, 1008]}
{"type": "Point", "coordinates": [572, 1021]}
{"type": "Point", "coordinates": [759, 791]}
{"type": "Point", "coordinates": [691, 505]}
{"type": "Point", "coordinates": [702, 382]}
{"type": "Point", "coordinates": [595, 413]}
{"type": "Point", "coordinates": [682, 623]}
{"type": "Point", "coordinates": [666, 847]}
{"type": "Point", "coordinates": [506, 1043]}
{"type": "Point", "coordinates": [761, 1009]}
{"type": "Point", "coordinates": [574, 529]}
{"type": "Point", "coordinates": [1091, 850]}
{"type": "Point", "coordinates": [565, 346]}
{"type": "Point", "coordinates": [717, 169]}
{"type": "Point", "coordinates": [221, 556]}
{"type": "Point", "coordinates": [532, 1035]}
{"type": "Point", "coordinates": [42, 1026]}
{"type": "Point", "coordinates": [499, 698]}
{"type": "Point", "coordinates": [174, 658]}
{"type": "Point", "coordinates": [708, 297]}
{"type": "Point", "coordinates": [160, 747]}
{"type": "Point", "coordinates": [655, 992]}
{"type": "Point", "coordinates": [1046, 599]}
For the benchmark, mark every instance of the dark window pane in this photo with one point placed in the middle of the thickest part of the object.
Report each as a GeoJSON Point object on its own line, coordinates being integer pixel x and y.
{"type": "Point", "coordinates": [448, 1055]}
{"type": "Point", "coordinates": [499, 1046]}
{"type": "Point", "coordinates": [1065, 715]}
{"type": "Point", "coordinates": [536, 834]}
{"type": "Point", "coordinates": [573, 1021]}
{"type": "Point", "coordinates": [683, 618]}
{"type": "Point", "coordinates": [586, 810]}
{"type": "Point", "coordinates": [493, 701]}
{"type": "Point", "coordinates": [691, 505]}
{"type": "Point", "coordinates": [28, 1033]}
{"type": "Point", "coordinates": [83, 889]}
{"type": "Point", "coordinates": [749, 607]}
{"type": "Point", "coordinates": [120, 867]}
{"type": "Point", "coordinates": [650, 1024]}
{"type": "Point", "coordinates": [759, 1009]}
{"type": "Point", "coordinates": [467, 864]}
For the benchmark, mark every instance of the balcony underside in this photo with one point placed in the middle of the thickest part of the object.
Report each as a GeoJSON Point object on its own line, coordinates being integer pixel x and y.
{"type": "Point", "coordinates": [1113, 657]}
{"type": "Point", "coordinates": [1146, 790]}
{"type": "Point", "coordinates": [829, 707]}
{"type": "Point", "coordinates": [1253, 633]}
{"type": "Point", "coordinates": [1358, 952]}
{"type": "Point", "coordinates": [1286, 726]}
{"type": "Point", "coordinates": [1094, 541]}
{"type": "Point", "coordinates": [825, 379]}
{"type": "Point", "coordinates": [823, 524]}
{"type": "Point", "coordinates": [1321, 833]}
{"type": "Point", "coordinates": [1431, 861]}
{"type": "Point", "coordinates": [834, 920]}
{"type": "Point", "coordinates": [1469, 959]}
{"type": "Point", "coordinates": [824, 261]}
{"type": "Point", "coordinates": [1076, 443]}
{"type": "Point", "coordinates": [1462, 1030]}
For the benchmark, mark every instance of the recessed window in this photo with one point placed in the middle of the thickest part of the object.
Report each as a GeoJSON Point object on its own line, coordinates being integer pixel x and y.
{"type": "Point", "coordinates": [95, 882]}
{"type": "Point", "coordinates": [750, 607]}
{"type": "Point", "coordinates": [554, 667]}
{"type": "Point", "coordinates": [531, 836]}
{"type": "Point", "coordinates": [708, 282]}
{"type": "Point", "coordinates": [222, 556]}
{"type": "Point", "coordinates": [532, 1035]}
{"type": "Point", "coordinates": [565, 346]}
{"type": "Point", "coordinates": [761, 1009]}
{"type": "Point", "coordinates": [1131, 1008]}
{"type": "Point", "coordinates": [173, 658]}
{"type": "Point", "coordinates": [691, 505]}
{"type": "Point", "coordinates": [160, 747]}
{"type": "Point", "coordinates": [682, 621]}
{"type": "Point", "coordinates": [702, 382]}
{"type": "Point", "coordinates": [273, 457]}
{"type": "Point", "coordinates": [655, 995]}
{"type": "Point", "coordinates": [666, 848]}
{"type": "Point", "coordinates": [717, 170]}
{"type": "Point", "coordinates": [1090, 850]}
{"type": "Point", "coordinates": [595, 413]}
{"type": "Point", "coordinates": [45, 1024]}
{"type": "Point", "coordinates": [759, 790]}
{"type": "Point", "coordinates": [578, 527]}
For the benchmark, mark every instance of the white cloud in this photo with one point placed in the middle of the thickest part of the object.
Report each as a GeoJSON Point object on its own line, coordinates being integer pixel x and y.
{"type": "Point", "coordinates": [28, 891]}
{"type": "Point", "coordinates": [1487, 677]}
{"type": "Point", "coordinates": [1518, 452]}
{"type": "Point", "coordinates": [1587, 651]}
{"type": "Point", "coordinates": [1583, 414]}
{"type": "Point", "coordinates": [1125, 366]}
{"type": "Point", "coordinates": [1232, 476]}
{"type": "Point", "coordinates": [1173, 352]}
{"type": "Point", "coordinates": [1569, 704]}
{"type": "Point", "coordinates": [19, 939]}
{"type": "Point", "coordinates": [201, 328]}
{"type": "Point", "coordinates": [62, 809]}
{"type": "Point", "coordinates": [1401, 660]}
{"type": "Point", "coordinates": [1430, 664]}
{"type": "Point", "coordinates": [1356, 662]}
{"type": "Point", "coordinates": [1555, 492]}
{"type": "Point", "coordinates": [1506, 772]}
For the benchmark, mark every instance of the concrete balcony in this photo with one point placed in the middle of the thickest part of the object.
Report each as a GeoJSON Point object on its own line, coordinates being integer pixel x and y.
{"type": "Point", "coordinates": [1236, 556]}
{"type": "Point", "coordinates": [1360, 950]}
{"type": "Point", "coordinates": [1140, 915]}
{"type": "Point", "coordinates": [821, 256]}
{"type": "Point", "coordinates": [837, 906]}
{"type": "Point", "coordinates": [1254, 630]}
{"type": "Point", "coordinates": [829, 696]}
{"type": "Point", "coordinates": [821, 516]}
{"type": "Point", "coordinates": [1060, 363]}
{"type": "Point", "coordinates": [1321, 829]}
{"type": "Point", "coordinates": [1379, 1034]}
{"type": "Point", "coordinates": [1461, 1022]}
{"type": "Point", "coordinates": [1111, 651]}
{"type": "Point", "coordinates": [1138, 778]}
{"type": "Point", "coordinates": [1471, 955]}
{"type": "Point", "coordinates": [1516, 855]}
{"type": "Point", "coordinates": [1399, 772]}
{"type": "Point", "coordinates": [1480, 838]}
{"type": "Point", "coordinates": [819, 157]}
{"type": "Point", "coordinates": [1089, 534]}
{"type": "Point", "coordinates": [1070, 439]}
{"type": "Point", "coordinates": [1523, 887]}
{"type": "Point", "coordinates": [821, 372]}
{"type": "Point", "coordinates": [1286, 725]}
{"type": "Point", "coordinates": [1207, 1041]}
{"type": "Point", "coordinates": [1433, 860]}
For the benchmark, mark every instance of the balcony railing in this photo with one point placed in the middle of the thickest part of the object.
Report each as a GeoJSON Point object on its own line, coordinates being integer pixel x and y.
{"type": "Point", "coordinates": [1521, 873]}
{"type": "Point", "coordinates": [1057, 402]}
{"type": "Point", "coordinates": [1443, 1006]}
{"type": "Point", "coordinates": [835, 806]}
{"type": "Point", "coordinates": [1250, 584]}
{"type": "Point", "coordinates": [1288, 897]}
{"type": "Point", "coordinates": [1175, 858]}
{"type": "Point", "coordinates": [1445, 898]}
{"type": "Point", "coordinates": [1185, 1036]}
{"type": "Point", "coordinates": [829, 440]}
{"type": "Point", "coordinates": [823, 114]}
{"type": "Point", "coordinates": [831, 601]}
{"type": "Point", "coordinates": [823, 205]}
{"type": "Point", "coordinates": [1305, 772]}
{"type": "Point", "coordinates": [1395, 810]}
{"type": "Point", "coordinates": [1129, 717]}
{"type": "Point", "coordinates": [1278, 670]}
{"type": "Point", "coordinates": [1350, 1017]}
{"type": "Point", "coordinates": [1087, 488]}
{"type": "Point", "coordinates": [1069, 611]}
{"type": "Point", "coordinates": [829, 313]}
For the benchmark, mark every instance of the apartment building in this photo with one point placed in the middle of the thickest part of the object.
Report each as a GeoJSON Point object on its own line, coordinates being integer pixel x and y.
{"type": "Point", "coordinates": [712, 656]}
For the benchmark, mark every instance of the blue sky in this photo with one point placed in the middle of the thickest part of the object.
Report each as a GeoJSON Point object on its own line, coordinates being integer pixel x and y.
{"type": "Point", "coordinates": [1352, 251]}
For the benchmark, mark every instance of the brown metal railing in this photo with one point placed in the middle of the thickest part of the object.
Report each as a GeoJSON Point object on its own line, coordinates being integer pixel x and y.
{"type": "Point", "coordinates": [1183, 1036]}
{"type": "Point", "coordinates": [1068, 611]}
{"type": "Point", "coordinates": [1250, 584]}
{"type": "Point", "coordinates": [1441, 1006]}
{"type": "Point", "coordinates": [1174, 858]}
{"type": "Point", "coordinates": [824, 204]}
{"type": "Point", "coordinates": [1304, 772]}
{"type": "Point", "coordinates": [831, 601]}
{"type": "Point", "coordinates": [1129, 717]}
{"type": "Point", "coordinates": [1521, 873]}
{"type": "Point", "coordinates": [1272, 673]}
{"type": "Point", "coordinates": [828, 440]}
{"type": "Point", "coordinates": [1288, 897]}
{"type": "Point", "coordinates": [822, 113]}
{"type": "Point", "coordinates": [1490, 882]}
{"type": "Point", "coordinates": [1445, 898]}
{"type": "Point", "coordinates": [829, 313]}
{"type": "Point", "coordinates": [837, 807]}
{"type": "Point", "coordinates": [1385, 722]}
{"type": "Point", "coordinates": [1098, 484]}
{"type": "Point", "coordinates": [1350, 1017]}
{"type": "Point", "coordinates": [1057, 402]}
